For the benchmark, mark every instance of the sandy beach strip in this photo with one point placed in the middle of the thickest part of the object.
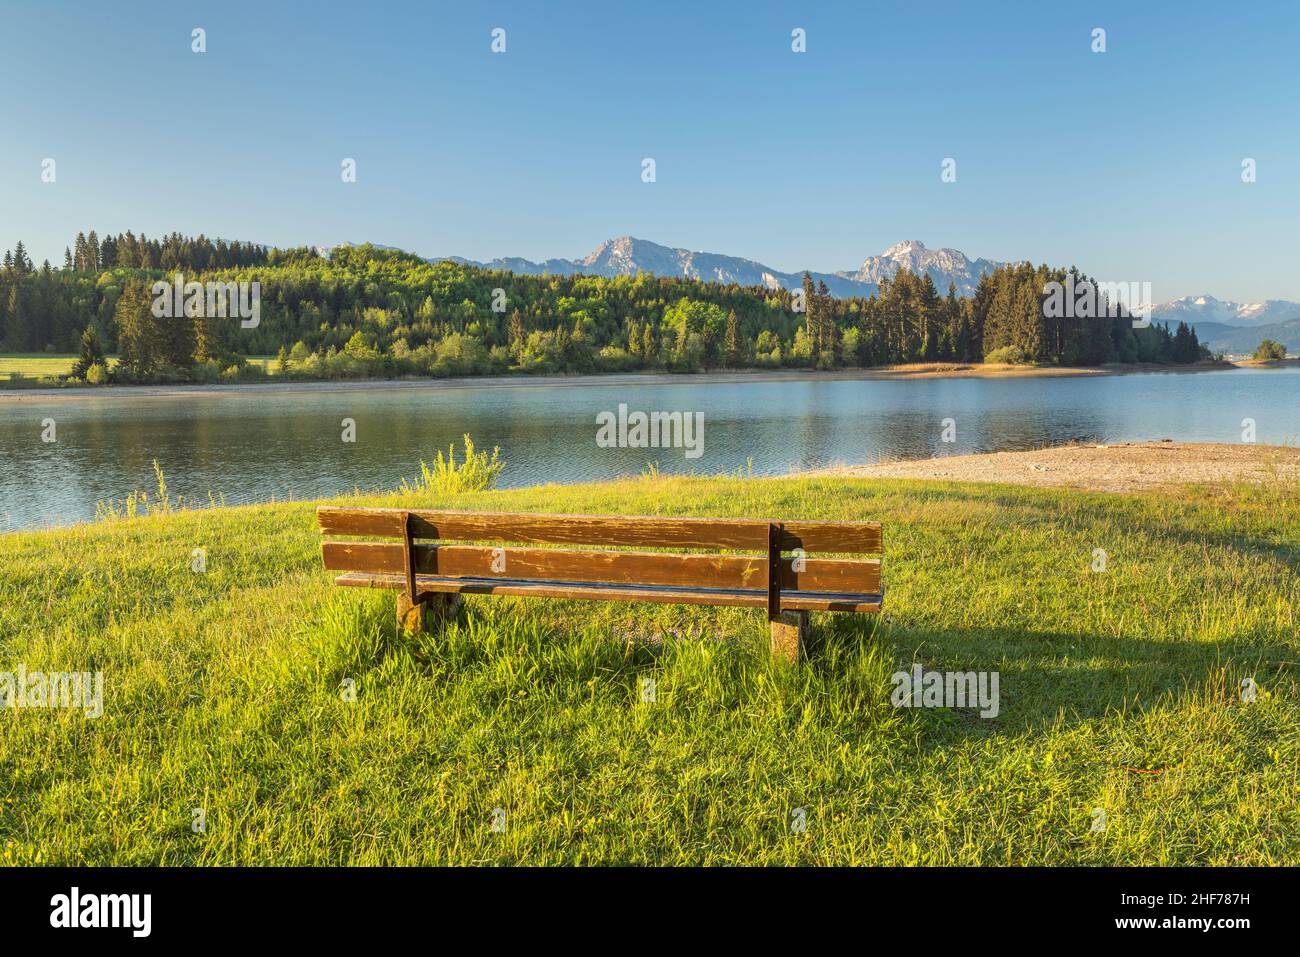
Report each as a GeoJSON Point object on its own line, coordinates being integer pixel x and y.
{"type": "Point", "coordinates": [919, 370]}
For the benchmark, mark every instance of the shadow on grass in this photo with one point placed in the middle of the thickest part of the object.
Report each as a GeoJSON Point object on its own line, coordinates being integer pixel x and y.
{"type": "Point", "coordinates": [1052, 679]}
{"type": "Point", "coordinates": [1187, 526]}
{"type": "Point", "coordinates": [1047, 679]}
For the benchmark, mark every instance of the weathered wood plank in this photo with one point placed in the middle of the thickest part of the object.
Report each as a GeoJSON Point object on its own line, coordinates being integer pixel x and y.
{"type": "Point", "coordinates": [644, 568]}
{"type": "Point", "coordinates": [743, 534]}
{"type": "Point", "coordinates": [676, 595]}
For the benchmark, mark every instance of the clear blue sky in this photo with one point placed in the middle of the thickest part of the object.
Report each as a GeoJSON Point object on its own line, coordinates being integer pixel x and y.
{"type": "Point", "coordinates": [1127, 163]}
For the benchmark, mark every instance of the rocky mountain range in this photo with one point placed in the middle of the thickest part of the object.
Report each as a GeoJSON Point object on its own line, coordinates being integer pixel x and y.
{"type": "Point", "coordinates": [627, 255]}
{"type": "Point", "coordinates": [1202, 309]}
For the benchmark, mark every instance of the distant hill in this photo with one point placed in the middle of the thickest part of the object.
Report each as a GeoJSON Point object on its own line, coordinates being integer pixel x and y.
{"type": "Point", "coordinates": [1242, 340]}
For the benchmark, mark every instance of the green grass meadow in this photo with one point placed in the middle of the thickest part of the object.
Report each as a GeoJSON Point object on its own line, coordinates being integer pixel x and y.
{"type": "Point", "coordinates": [35, 365]}
{"type": "Point", "coordinates": [34, 369]}
{"type": "Point", "coordinates": [226, 691]}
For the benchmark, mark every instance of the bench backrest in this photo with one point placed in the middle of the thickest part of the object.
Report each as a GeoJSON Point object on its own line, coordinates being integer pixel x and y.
{"type": "Point", "coordinates": [770, 570]}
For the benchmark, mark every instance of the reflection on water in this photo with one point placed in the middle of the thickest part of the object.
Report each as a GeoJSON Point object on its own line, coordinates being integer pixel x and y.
{"type": "Point", "coordinates": [252, 447]}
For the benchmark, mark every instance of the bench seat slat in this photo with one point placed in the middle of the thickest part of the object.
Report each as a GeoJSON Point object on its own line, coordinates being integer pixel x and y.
{"type": "Point", "coordinates": [616, 530]}
{"type": "Point", "coordinates": [664, 594]}
{"type": "Point", "coordinates": [860, 576]}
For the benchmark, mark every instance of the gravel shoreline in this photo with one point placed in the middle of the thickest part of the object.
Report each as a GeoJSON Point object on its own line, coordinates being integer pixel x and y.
{"type": "Point", "coordinates": [1123, 467]}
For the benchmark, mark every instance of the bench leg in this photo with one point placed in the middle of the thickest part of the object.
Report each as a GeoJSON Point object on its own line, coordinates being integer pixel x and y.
{"type": "Point", "coordinates": [410, 615]}
{"type": "Point", "coordinates": [789, 634]}
{"type": "Point", "coordinates": [432, 610]}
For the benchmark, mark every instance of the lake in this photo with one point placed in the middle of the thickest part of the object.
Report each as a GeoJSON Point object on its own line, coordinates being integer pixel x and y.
{"type": "Point", "coordinates": [251, 446]}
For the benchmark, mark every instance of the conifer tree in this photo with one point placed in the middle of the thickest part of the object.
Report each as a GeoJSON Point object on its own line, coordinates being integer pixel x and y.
{"type": "Point", "coordinates": [732, 355]}
{"type": "Point", "coordinates": [810, 318]}
{"type": "Point", "coordinates": [92, 353]}
{"type": "Point", "coordinates": [516, 333]}
{"type": "Point", "coordinates": [825, 324]}
{"type": "Point", "coordinates": [16, 331]}
{"type": "Point", "coordinates": [137, 338]}
{"type": "Point", "coordinates": [22, 262]}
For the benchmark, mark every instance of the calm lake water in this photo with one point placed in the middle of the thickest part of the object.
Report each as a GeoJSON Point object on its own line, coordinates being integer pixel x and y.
{"type": "Point", "coordinates": [254, 446]}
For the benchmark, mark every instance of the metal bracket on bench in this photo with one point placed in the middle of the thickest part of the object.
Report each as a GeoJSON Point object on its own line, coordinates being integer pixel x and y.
{"type": "Point", "coordinates": [408, 557]}
{"type": "Point", "coordinates": [775, 532]}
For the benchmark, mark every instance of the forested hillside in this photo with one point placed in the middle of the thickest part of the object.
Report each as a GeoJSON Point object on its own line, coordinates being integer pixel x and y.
{"type": "Point", "coordinates": [371, 312]}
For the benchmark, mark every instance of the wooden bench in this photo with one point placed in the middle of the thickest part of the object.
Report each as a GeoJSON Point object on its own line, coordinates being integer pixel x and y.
{"type": "Point", "coordinates": [431, 576]}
